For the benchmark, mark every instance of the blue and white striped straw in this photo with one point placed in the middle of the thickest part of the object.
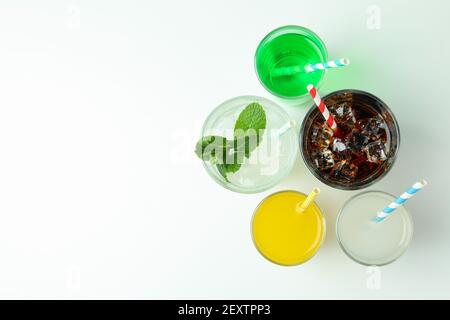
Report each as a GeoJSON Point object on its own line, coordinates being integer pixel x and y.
{"type": "Point", "coordinates": [387, 211]}
{"type": "Point", "coordinates": [292, 70]}
{"type": "Point", "coordinates": [327, 65]}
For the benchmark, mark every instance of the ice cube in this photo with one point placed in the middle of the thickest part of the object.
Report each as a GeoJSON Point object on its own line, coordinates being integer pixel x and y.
{"type": "Point", "coordinates": [340, 149]}
{"type": "Point", "coordinates": [356, 140]}
{"type": "Point", "coordinates": [321, 135]}
{"type": "Point", "coordinates": [373, 127]}
{"type": "Point", "coordinates": [343, 114]}
{"type": "Point", "coordinates": [344, 170]}
{"type": "Point", "coordinates": [376, 151]}
{"type": "Point", "coordinates": [323, 159]}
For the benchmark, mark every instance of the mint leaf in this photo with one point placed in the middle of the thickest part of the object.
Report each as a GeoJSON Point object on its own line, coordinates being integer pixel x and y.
{"type": "Point", "coordinates": [225, 169]}
{"type": "Point", "coordinates": [250, 126]}
{"type": "Point", "coordinates": [233, 159]}
{"type": "Point", "coordinates": [211, 148]}
{"type": "Point", "coordinates": [246, 142]}
{"type": "Point", "coordinates": [252, 117]}
{"type": "Point", "coordinates": [220, 152]}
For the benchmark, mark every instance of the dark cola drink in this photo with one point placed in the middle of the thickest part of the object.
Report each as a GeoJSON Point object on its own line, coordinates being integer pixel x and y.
{"type": "Point", "coordinates": [363, 148]}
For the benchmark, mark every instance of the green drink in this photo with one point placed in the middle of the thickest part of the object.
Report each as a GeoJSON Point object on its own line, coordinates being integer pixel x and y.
{"type": "Point", "coordinates": [281, 57]}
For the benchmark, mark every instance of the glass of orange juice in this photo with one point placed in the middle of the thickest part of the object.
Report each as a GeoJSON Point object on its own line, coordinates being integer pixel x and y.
{"type": "Point", "coordinates": [282, 233]}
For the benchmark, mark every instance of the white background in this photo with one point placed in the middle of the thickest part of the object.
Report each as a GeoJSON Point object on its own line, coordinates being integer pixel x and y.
{"type": "Point", "coordinates": [101, 103]}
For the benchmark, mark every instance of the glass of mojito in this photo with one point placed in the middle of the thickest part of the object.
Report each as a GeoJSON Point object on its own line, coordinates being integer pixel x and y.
{"type": "Point", "coordinates": [248, 144]}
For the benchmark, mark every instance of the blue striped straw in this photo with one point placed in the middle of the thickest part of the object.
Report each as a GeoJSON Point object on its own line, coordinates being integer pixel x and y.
{"type": "Point", "coordinates": [387, 211]}
{"type": "Point", "coordinates": [292, 70]}
{"type": "Point", "coordinates": [327, 65]}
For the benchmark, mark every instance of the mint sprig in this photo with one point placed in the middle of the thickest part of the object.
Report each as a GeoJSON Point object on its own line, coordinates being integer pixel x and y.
{"type": "Point", "coordinates": [228, 155]}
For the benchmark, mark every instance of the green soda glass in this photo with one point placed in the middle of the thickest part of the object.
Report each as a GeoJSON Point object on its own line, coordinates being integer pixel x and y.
{"type": "Point", "coordinates": [281, 57]}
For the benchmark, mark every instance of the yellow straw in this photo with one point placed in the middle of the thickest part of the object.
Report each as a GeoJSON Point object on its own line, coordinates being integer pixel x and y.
{"type": "Point", "coordinates": [302, 206]}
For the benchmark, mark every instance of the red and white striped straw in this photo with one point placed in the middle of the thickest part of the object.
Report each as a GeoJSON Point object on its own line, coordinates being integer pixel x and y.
{"type": "Point", "coordinates": [322, 107]}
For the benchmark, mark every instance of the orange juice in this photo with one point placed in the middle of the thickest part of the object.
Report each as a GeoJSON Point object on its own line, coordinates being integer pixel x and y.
{"type": "Point", "coordinates": [284, 235]}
